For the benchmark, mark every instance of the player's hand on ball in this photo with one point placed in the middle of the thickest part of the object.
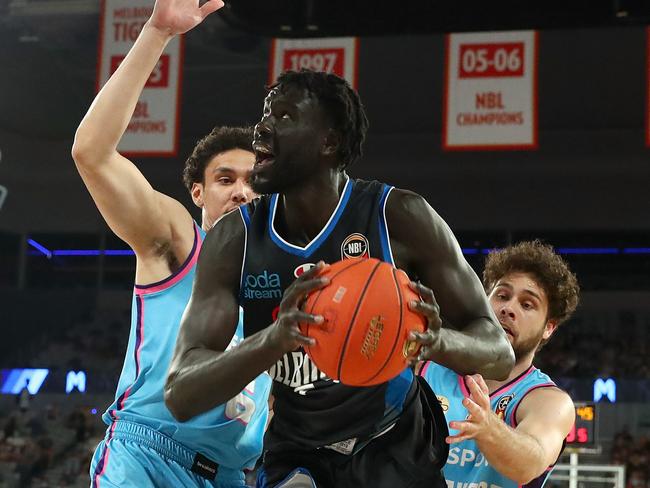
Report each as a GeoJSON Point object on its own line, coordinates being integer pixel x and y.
{"type": "Point", "coordinates": [427, 306]}
{"type": "Point", "coordinates": [284, 334]}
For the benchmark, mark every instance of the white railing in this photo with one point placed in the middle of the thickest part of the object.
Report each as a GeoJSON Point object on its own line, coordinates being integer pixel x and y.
{"type": "Point", "coordinates": [578, 474]}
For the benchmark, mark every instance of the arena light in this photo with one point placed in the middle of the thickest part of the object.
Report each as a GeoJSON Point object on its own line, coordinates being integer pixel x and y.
{"type": "Point", "coordinates": [16, 380]}
{"type": "Point", "coordinates": [605, 388]}
{"type": "Point", "coordinates": [587, 250]}
{"type": "Point", "coordinates": [468, 251]}
{"type": "Point", "coordinates": [40, 248]}
{"type": "Point", "coordinates": [75, 379]}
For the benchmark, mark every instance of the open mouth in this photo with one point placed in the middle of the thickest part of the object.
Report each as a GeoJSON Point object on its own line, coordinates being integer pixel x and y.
{"type": "Point", "coordinates": [263, 155]}
{"type": "Point", "coordinates": [508, 331]}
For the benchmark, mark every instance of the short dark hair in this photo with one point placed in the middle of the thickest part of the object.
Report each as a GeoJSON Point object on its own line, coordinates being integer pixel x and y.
{"type": "Point", "coordinates": [548, 268]}
{"type": "Point", "coordinates": [342, 104]}
{"type": "Point", "coordinates": [220, 139]}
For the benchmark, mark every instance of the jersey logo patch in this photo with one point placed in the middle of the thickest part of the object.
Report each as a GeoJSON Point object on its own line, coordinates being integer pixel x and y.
{"type": "Point", "coordinates": [303, 268]}
{"type": "Point", "coordinates": [502, 404]}
{"type": "Point", "coordinates": [355, 246]}
{"type": "Point", "coordinates": [444, 402]}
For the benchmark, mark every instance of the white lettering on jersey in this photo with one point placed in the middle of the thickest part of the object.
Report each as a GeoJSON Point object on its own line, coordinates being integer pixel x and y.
{"type": "Point", "coordinates": [464, 457]}
{"type": "Point", "coordinates": [297, 371]}
{"type": "Point", "coordinates": [463, 484]}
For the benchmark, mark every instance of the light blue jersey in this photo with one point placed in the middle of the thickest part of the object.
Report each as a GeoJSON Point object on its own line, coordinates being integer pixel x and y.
{"type": "Point", "coordinates": [466, 466]}
{"type": "Point", "coordinates": [229, 436]}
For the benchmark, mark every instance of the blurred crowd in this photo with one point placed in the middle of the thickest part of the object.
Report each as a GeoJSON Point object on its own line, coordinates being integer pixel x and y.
{"type": "Point", "coordinates": [634, 454]}
{"type": "Point", "coordinates": [46, 447]}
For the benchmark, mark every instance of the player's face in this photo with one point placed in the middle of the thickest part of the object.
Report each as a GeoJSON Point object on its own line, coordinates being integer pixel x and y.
{"type": "Point", "coordinates": [225, 184]}
{"type": "Point", "coordinates": [521, 306]}
{"type": "Point", "coordinates": [288, 141]}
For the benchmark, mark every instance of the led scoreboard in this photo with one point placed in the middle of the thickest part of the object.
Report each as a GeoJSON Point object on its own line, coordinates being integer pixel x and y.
{"type": "Point", "coordinates": [583, 432]}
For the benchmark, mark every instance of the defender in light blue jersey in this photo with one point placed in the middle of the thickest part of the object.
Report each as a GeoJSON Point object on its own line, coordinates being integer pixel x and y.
{"type": "Point", "coordinates": [144, 445]}
{"type": "Point", "coordinates": [505, 434]}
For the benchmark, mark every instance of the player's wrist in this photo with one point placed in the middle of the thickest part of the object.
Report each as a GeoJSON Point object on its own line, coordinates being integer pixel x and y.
{"type": "Point", "coordinates": [162, 33]}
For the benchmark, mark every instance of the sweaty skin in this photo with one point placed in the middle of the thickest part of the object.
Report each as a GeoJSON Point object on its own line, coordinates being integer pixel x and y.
{"type": "Point", "coordinates": [297, 153]}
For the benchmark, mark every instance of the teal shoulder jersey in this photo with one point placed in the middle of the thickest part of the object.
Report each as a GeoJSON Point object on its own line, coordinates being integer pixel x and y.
{"type": "Point", "coordinates": [466, 466]}
{"type": "Point", "coordinates": [230, 434]}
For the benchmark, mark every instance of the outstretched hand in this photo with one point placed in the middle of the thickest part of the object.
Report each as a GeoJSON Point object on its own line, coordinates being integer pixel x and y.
{"type": "Point", "coordinates": [179, 16]}
{"type": "Point", "coordinates": [481, 419]}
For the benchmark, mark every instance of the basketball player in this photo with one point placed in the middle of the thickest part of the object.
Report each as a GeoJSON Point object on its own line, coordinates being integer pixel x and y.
{"type": "Point", "coordinates": [312, 128]}
{"type": "Point", "coordinates": [516, 428]}
{"type": "Point", "coordinates": [144, 444]}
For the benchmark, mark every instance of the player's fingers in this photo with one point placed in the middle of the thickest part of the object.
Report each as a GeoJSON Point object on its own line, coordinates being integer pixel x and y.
{"type": "Point", "coordinates": [481, 383]}
{"type": "Point", "coordinates": [303, 340]}
{"type": "Point", "coordinates": [425, 338]}
{"type": "Point", "coordinates": [298, 316]}
{"type": "Point", "coordinates": [210, 6]}
{"type": "Point", "coordinates": [477, 393]}
{"type": "Point", "coordinates": [457, 438]}
{"type": "Point", "coordinates": [474, 409]}
{"type": "Point", "coordinates": [299, 290]}
{"type": "Point", "coordinates": [315, 270]}
{"type": "Point", "coordinates": [425, 293]}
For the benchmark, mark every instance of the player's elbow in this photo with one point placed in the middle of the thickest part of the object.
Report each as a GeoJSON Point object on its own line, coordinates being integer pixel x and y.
{"type": "Point", "coordinates": [504, 358]}
{"type": "Point", "coordinates": [526, 474]}
{"type": "Point", "coordinates": [87, 151]}
{"type": "Point", "coordinates": [82, 147]}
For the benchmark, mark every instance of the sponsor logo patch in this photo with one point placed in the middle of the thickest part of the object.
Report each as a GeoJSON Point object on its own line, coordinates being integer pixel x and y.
{"type": "Point", "coordinates": [262, 286]}
{"type": "Point", "coordinates": [303, 268]}
{"type": "Point", "coordinates": [355, 246]}
{"type": "Point", "coordinates": [502, 404]}
{"type": "Point", "coordinates": [444, 402]}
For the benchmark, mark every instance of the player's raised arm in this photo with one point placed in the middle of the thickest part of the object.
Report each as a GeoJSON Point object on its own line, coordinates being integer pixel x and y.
{"type": "Point", "coordinates": [202, 374]}
{"type": "Point", "coordinates": [132, 208]}
{"type": "Point", "coordinates": [464, 335]}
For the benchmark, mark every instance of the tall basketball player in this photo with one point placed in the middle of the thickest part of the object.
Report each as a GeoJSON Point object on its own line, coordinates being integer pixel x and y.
{"type": "Point", "coordinates": [312, 128]}
{"type": "Point", "coordinates": [144, 445]}
{"type": "Point", "coordinates": [516, 428]}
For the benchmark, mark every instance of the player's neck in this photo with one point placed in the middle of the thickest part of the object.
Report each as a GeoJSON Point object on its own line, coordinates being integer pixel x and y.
{"type": "Point", "coordinates": [303, 212]}
{"type": "Point", "coordinates": [521, 366]}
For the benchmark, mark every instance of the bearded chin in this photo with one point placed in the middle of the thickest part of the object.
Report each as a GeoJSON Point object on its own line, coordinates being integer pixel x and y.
{"type": "Point", "coordinates": [523, 349]}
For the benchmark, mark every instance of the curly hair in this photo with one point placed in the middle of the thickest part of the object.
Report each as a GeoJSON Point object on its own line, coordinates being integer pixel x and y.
{"type": "Point", "coordinates": [220, 139]}
{"type": "Point", "coordinates": [548, 268]}
{"type": "Point", "coordinates": [341, 103]}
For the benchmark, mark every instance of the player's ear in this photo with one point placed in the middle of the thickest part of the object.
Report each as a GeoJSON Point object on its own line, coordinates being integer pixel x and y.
{"type": "Point", "coordinates": [332, 143]}
{"type": "Point", "coordinates": [197, 194]}
{"type": "Point", "coordinates": [550, 328]}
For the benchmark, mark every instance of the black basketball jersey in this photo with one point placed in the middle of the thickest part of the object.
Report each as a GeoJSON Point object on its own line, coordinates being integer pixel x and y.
{"type": "Point", "coordinates": [312, 410]}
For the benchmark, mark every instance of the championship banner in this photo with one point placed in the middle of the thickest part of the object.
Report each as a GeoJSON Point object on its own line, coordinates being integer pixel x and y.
{"type": "Point", "coordinates": [339, 55]}
{"type": "Point", "coordinates": [490, 99]}
{"type": "Point", "coordinates": [153, 129]}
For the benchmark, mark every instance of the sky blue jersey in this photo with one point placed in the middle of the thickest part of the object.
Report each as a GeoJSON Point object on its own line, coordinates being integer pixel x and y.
{"type": "Point", "coordinates": [230, 434]}
{"type": "Point", "coordinates": [466, 466]}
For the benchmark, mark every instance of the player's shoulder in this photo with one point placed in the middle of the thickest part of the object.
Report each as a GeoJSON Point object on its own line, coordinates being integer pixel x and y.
{"type": "Point", "coordinates": [547, 397]}
{"type": "Point", "coordinates": [227, 230]}
{"type": "Point", "coordinates": [433, 372]}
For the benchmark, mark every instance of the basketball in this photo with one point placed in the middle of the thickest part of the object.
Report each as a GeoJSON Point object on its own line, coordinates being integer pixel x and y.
{"type": "Point", "coordinates": [364, 340]}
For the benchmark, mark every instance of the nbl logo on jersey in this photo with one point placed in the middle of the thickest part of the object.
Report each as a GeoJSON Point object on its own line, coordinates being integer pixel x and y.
{"type": "Point", "coordinates": [502, 405]}
{"type": "Point", "coordinates": [355, 246]}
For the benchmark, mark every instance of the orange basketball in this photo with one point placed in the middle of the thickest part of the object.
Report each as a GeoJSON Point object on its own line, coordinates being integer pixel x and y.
{"type": "Point", "coordinates": [364, 340]}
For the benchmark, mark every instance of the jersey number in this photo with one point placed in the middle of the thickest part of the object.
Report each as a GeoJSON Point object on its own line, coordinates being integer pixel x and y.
{"type": "Point", "coordinates": [242, 407]}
